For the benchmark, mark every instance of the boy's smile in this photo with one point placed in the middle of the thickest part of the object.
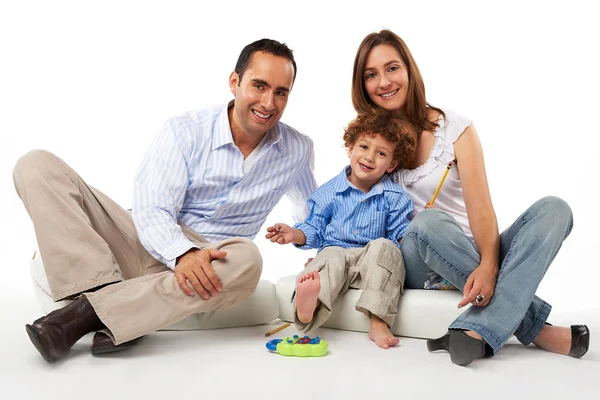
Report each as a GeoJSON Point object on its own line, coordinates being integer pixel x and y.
{"type": "Point", "coordinates": [370, 158]}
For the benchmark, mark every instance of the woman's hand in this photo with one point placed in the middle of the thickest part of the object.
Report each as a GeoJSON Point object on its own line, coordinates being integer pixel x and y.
{"type": "Point", "coordinates": [482, 281]}
{"type": "Point", "coordinates": [429, 205]}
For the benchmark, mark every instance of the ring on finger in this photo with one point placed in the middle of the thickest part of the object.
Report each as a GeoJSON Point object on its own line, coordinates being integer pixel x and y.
{"type": "Point", "coordinates": [480, 298]}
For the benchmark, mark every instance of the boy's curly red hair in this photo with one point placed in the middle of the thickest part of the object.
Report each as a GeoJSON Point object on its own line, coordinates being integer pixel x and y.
{"type": "Point", "coordinates": [395, 129]}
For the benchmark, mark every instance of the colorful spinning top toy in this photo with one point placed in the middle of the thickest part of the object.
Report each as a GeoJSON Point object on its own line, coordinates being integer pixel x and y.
{"type": "Point", "coordinates": [298, 347]}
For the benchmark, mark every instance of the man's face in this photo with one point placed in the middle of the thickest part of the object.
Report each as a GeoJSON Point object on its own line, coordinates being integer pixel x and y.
{"type": "Point", "coordinates": [262, 94]}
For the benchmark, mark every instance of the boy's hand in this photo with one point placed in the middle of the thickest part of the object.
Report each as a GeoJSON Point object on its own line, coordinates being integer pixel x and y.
{"type": "Point", "coordinates": [280, 233]}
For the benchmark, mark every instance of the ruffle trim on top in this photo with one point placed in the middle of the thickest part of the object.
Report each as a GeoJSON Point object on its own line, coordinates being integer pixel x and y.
{"type": "Point", "coordinates": [442, 151]}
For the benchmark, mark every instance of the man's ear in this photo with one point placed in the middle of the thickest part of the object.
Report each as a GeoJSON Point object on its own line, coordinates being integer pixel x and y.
{"type": "Point", "coordinates": [393, 166]}
{"type": "Point", "coordinates": [234, 80]}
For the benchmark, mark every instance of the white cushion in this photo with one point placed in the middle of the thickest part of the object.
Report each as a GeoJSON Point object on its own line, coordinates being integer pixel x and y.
{"type": "Point", "coordinates": [260, 308]}
{"type": "Point", "coordinates": [421, 313]}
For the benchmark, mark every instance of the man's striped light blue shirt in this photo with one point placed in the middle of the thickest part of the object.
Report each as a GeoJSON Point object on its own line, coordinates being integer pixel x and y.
{"type": "Point", "coordinates": [195, 174]}
{"type": "Point", "coordinates": [341, 215]}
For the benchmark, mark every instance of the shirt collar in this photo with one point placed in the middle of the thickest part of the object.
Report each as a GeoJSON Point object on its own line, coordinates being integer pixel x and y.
{"type": "Point", "coordinates": [274, 135]}
{"type": "Point", "coordinates": [385, 184]}
{"type": "Point", "coordinates": [222, 134]}
{"type": "Point", "coordinates": [342, 183]}
{"type": "Point", "coordinates": [388, 185]}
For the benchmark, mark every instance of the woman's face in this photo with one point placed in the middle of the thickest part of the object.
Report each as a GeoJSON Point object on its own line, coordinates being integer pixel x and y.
{"type": "Point", "coordinates": [386, 78]}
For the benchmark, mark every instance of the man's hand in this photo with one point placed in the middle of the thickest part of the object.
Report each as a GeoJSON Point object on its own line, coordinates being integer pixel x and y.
{"type": "Point", "coordinates": [481, 281]}
{"type": "Point", "coordinates": [195, 267]}
{"type": "Point", "coordinates": [280, 233]}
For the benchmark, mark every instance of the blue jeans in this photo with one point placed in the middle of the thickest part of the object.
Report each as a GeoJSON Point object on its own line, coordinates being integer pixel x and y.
{"type": "Point", "coordinates": [435, 244]}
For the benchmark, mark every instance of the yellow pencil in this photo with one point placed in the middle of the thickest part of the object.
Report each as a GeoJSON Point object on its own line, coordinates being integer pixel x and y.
{"type": "Point", "coordinates": [282, 327]}
{"type": "Point", "coordinates": [440, 185]}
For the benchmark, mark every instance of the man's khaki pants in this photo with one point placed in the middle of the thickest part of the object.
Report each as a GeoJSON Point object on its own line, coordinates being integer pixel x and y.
{"type": "Point", "coordinates": [87, 241]}
{"type": "Point", "coordinates": [377, 269]}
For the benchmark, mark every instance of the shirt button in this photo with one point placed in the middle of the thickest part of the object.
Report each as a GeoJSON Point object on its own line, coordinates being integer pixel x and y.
{"type": "Point", "coordinates": [235, 191]}
{"type": "Point", "coordinates": [356, 232]}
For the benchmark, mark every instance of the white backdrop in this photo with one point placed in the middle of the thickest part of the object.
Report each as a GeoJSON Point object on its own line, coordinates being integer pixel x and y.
{"type": "Point", "coordinates": [94, 83]}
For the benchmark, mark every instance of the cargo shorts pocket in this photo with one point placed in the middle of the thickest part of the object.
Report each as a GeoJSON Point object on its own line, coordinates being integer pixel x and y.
{"type": "Point", "coordinates": [390, 271]}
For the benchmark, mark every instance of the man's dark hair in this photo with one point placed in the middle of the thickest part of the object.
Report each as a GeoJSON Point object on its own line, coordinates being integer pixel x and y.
{"type": "Point", "coordinates": [267, 46]}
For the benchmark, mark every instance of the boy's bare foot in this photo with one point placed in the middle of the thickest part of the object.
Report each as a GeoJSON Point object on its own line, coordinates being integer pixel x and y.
{"type": "Point", "coordinates": [381, 334]}
{"type": "Point", "coordinates": [307, 295]}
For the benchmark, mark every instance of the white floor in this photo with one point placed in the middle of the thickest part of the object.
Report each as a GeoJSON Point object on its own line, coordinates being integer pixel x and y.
{"type": "Point", "coordinates": [234, 364]}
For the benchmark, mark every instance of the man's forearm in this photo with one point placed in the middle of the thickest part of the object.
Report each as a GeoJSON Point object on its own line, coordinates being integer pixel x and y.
{"type": "Point", "coordinates": [161, 236]}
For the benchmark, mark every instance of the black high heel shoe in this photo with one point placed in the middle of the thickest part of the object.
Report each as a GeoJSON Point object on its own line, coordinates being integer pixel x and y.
{"type": "Point", "coordinates": [580, 340]}
{"type": "Point", "coordinates": [440, 343]}
{"type": "Point", "coordinates": [463, 348]}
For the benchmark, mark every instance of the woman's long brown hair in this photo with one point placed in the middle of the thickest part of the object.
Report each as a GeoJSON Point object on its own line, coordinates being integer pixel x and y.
{"type": "Point", "coordinates": [416, 106]}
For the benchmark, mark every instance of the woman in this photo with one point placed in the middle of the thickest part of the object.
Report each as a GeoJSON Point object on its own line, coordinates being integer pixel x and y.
{"type": "Point", "coordinates": [457, 241]}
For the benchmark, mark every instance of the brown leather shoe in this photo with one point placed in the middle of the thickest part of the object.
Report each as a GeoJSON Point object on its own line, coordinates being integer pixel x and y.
{"type": "Point", "coordinates": [102, 343]}
{"type": "Point", "coordinates": [55, 334]}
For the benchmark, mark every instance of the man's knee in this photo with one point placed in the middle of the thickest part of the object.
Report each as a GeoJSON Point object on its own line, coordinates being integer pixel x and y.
{"type": "Point", "coordinates": [253, 257]}
{"type": "Point", "coordinates": [246, 264]}
{"type": "Point", "coordinates": [28, 164]}
{"type": "Point", "coordinates": [247, 259]}
{"type": "Point", "coordinates": [34, 159]}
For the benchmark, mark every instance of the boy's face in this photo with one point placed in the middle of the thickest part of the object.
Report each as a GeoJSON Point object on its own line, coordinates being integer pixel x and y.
{"type": "Point", "coordinates": [262, 94]}
{"type": "Point", "coordinates": [370, 158]}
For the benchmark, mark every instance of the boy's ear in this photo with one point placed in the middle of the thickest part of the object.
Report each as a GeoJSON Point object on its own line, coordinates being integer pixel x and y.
{"type": "Point", "coordinates": [349, 150]}
{"type": "Point", "coordinates": [392, 166]}
{"type": "Point", "coordinates": [234, 79]}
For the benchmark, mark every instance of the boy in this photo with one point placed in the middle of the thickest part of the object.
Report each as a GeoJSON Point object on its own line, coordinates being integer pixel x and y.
{"type": "Point", "coordinates": [356, 221]}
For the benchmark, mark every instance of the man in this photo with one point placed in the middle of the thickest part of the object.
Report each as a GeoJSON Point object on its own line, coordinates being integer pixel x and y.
{"type": "Point", "coordinates": [203, 191]}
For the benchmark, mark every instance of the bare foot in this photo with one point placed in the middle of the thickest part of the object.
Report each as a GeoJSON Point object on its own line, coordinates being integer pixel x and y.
{"type": "Point", "coordinates": [307, 295]}
{"type": "Point", "coordinates": [556, 339]}
{"type": "Point", "coordinates": [380, 333]}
